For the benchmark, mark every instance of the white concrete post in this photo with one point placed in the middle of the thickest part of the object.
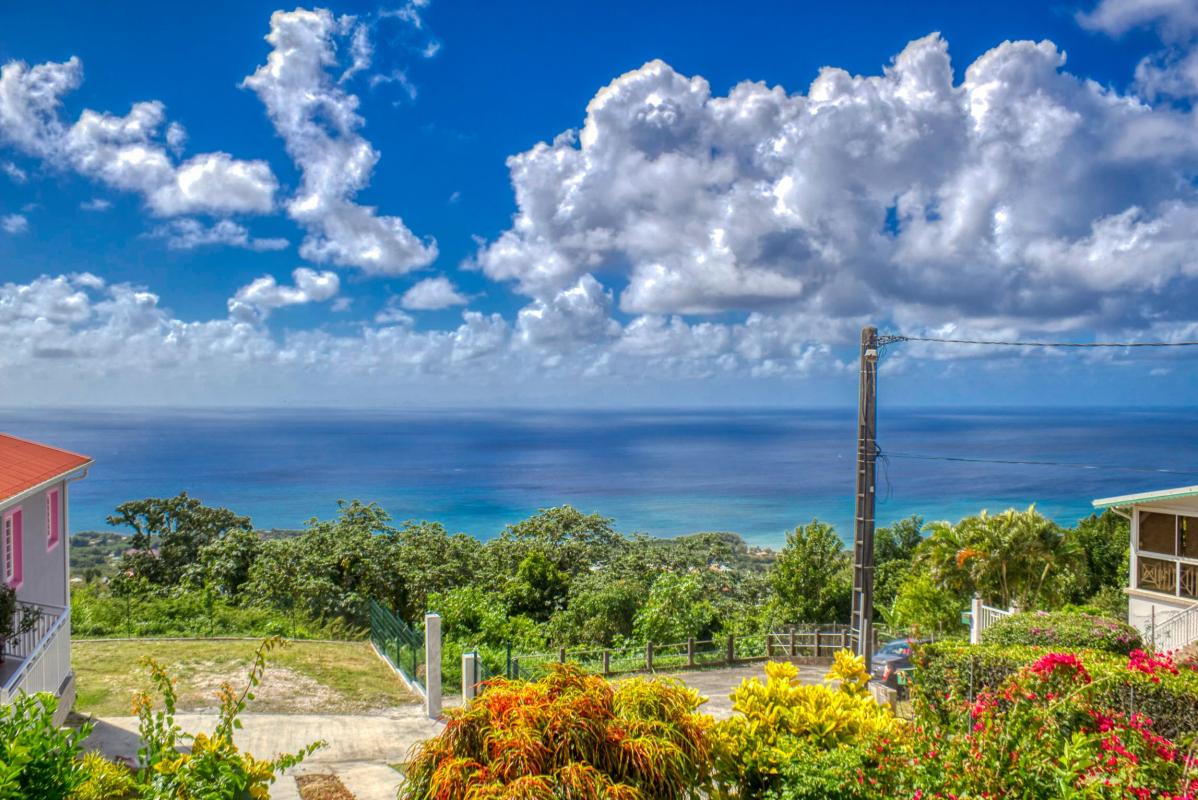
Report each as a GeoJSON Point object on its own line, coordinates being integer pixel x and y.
{"type": "Point", "coordinates": [975, 619]}
{"type": "Point", "coordinates": [469, 670]}
{"type": "Point", "coordinates": [432, 665]}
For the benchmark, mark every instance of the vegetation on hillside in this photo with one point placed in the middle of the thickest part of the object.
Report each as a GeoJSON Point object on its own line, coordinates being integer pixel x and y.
{"type": "Point", "coordinates": [563, 578]}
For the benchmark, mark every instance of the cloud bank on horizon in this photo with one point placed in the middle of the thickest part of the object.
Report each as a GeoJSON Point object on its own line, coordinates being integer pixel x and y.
{"type": "Point", "coordinates": [676, 234]}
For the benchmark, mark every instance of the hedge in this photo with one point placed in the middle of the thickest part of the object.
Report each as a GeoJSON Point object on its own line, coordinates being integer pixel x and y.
{"type": "Point", "coordinates": [1068, 629]}
{"type": "Point", "coordinates": [947, 671]}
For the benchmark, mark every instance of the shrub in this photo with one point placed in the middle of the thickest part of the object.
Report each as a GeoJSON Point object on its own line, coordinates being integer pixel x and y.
{"type": "Point", "coordinates": [836, 774]}
{"type": "Point", "coordinates": [947, 674]}
{"type": "Point", "coordinates": [568, 735]}
{"type": "Point", "coordinates": [1069, 630]}
{"type": "Point", "coordinates": [37, 759]}
{"type": "Point", "coordinates": [1049, 731]}
{"type": "Point", "coordinates": [779, 723]}
{"type": "Point", "coordinates": [214, 768]}
{"type": "Point", "coordinates": [104, 780]}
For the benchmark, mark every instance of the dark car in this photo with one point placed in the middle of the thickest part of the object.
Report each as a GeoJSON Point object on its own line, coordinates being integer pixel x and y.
{"type": "Point", "coordinates": [891, 663]}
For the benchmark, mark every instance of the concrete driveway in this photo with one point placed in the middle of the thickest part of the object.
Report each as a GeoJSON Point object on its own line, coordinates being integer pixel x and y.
{"type": "Point", "coordinates": [360, 748]}
{"type": "Point", "coordinates": [717, 684]}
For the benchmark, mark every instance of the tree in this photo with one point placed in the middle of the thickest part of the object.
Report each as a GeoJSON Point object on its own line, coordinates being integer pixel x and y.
{"type": "Point", "coordinates": [1013, 557]}
{"type": "Point", "coordinates": [224, 564]}
{"type": "Point", "coordinates": [600, 610]}
{"type": "Point", "coordinates": [894, 549]}
{"type": "Point", "coordinates": [924, 606]}
{"type": "Point", "coordinates": [168, 533]}
{"type": "Point", "coordinates": [426, 560]}
{"type": "Point", "coordinates": [1105, 539]}
{"type": "Point", "coordinates": [538, 588]}
{"type": "Point", "coordinates": [333, 569]}
{"type": "Point", "coordinates": [812, 578]}
{"type": "Point", "coordinates": [676, 609]}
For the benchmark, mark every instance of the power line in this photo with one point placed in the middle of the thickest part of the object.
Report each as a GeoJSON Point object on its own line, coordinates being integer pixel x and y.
{"type": "Point", "coordinates": [892, 339]}
{"type": "Point", "coordinates": [1026, 462]}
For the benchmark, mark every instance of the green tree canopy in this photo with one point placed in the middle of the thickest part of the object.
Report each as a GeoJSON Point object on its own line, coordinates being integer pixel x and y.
{"type": "Point", "coordinates": [168, 533]}
{"type": "Point", "coordinates": [812, 578]}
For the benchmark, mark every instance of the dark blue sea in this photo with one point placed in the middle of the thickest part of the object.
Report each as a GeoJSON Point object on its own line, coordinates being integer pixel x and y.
{"type": "Point", "coordinates": [755, 472]}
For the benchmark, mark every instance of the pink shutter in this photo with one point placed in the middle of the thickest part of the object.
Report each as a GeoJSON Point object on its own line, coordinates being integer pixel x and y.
{"type": "Point", "coordinates": [18, 547]}
{"type": "Point", "coordinates": [52, 523]}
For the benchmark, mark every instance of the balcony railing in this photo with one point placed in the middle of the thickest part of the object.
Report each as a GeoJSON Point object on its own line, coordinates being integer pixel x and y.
{"type": "Point", "coordinates": [40, 659]}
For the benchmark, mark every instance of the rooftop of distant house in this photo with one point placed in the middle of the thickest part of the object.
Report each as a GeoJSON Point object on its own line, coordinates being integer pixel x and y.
{"type": "Point", "coordinates": [26, 465]}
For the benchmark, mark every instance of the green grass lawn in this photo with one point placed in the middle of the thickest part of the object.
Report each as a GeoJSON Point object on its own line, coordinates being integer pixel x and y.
{"type": "Point", "coordinates": [302, 677]}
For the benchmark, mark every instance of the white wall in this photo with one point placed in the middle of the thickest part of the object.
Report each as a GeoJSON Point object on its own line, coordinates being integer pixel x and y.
{"type": "Point", "coordinates": [44, 571]}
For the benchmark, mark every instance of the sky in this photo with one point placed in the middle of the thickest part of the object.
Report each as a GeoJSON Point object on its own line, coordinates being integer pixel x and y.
{"type": "Point", "coordinates": [430, 203]}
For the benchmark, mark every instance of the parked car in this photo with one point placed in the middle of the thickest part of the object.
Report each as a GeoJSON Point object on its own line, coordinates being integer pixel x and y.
{"type": "Point", "coordinates": [891, 663]}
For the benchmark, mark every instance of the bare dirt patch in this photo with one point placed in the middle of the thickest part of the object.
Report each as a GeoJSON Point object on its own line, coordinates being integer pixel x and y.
{"type": "Point", "coordinates": [322, 787]}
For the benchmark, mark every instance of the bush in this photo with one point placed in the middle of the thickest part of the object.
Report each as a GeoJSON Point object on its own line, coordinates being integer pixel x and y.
{"type": "Point", "coordinates": [37, 759]}
{"type": "Point", "coordinates": [1049, 730]}
{"type": "Point", "coordinates": [568, 735]}
{"type": "Point", "coordinates": [778, 724]}
{"type": "Point", "coordinates": [947, 674]}
{"type": "Point", "coordinates": [105, 780]}
{"type": "Point", "coordinates": [837, 774]}
{"type": "Point", "coordinates": [214, 768]}
{"type": "Point", "coordinates": [1069, 630]}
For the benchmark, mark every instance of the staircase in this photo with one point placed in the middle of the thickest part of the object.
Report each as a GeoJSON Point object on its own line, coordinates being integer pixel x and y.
{"type": "Point", "coordinates": [1177, 631]}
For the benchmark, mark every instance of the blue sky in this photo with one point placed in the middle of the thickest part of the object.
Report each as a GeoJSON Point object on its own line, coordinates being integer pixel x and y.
{"type": "Point", "coordinates": [693, 238]}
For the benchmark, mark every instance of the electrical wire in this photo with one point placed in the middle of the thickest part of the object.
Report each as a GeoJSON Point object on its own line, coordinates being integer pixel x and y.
{"type": "Point", "coordinates": [1034, 463]}
{"type": "Point", "coordinates": [894, 338]}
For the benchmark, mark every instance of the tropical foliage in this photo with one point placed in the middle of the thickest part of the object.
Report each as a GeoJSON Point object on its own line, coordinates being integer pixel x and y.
{"type": "Point", "coordinates": [781, 721]}
{"type": "Point", "coordinates": [38, 760]}
{"type": "Point", "coordinates": [568, 735]}
{"type": "Point", "coordinates": [1064, 629]}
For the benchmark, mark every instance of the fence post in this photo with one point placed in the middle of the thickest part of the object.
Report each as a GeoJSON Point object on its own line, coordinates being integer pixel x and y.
{"type": "Point", "coordinates": [469, 676]}
{"type": "Point", "coordinates": [819, 644]}
{"type": "Point", "coordinates": [516, 668]}
{"type": "Point", "coordinates": [1152, 626]}
{"type": "Point", "coordinates": [769, 645]}
{"type": "Point", "coordinates": [975, 619]}
{"type": "Point", "coordinates": [649, 656]}
{"type": "Point", "coordinates": [432, 665]}
{"type": "Point", "coordinates": [690, 651]}
{"type": "Point", "coordinates": [508, 663]}
{"type": "Point", "coordinates": [731, 649]}
{"type": "Point", "coordinates": [794, 643]}
{"type": "Point", "coordinates": [606, 662]}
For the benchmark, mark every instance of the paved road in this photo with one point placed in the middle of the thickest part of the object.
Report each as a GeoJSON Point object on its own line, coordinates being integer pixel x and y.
{"type": "Point", "coordinates": [359, 751]}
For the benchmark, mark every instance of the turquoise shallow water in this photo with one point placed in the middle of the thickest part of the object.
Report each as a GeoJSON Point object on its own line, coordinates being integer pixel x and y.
{"type": "Point", "coordinates": [756, 472]}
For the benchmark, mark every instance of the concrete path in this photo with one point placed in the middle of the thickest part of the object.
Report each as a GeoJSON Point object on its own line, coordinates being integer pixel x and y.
{"type": "Point", "coordinates": [359, 750]}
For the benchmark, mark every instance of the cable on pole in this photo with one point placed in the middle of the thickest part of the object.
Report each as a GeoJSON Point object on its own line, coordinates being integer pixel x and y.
{"type": "Point", "coordinates": [1036, 463]}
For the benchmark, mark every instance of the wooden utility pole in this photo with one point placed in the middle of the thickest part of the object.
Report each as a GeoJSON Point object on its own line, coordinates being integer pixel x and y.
{"type": "Point", "coordinates": [863, 540]}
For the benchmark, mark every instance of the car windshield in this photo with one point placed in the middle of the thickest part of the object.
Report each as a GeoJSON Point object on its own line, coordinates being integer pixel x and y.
{"type": "Point", "coordinates": [900, 647]}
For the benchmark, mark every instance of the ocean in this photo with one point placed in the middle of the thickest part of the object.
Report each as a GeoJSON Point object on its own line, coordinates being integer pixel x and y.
{"type": "Point", "coordinates": [758, 473]}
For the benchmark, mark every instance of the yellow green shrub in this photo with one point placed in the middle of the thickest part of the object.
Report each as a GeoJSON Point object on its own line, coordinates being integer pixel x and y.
{"type": "Point", "coordinates": [776, 721]}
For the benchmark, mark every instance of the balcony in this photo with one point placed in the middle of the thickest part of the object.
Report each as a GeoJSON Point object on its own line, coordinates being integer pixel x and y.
{"type": "Point", "coordinates": [40, 661]}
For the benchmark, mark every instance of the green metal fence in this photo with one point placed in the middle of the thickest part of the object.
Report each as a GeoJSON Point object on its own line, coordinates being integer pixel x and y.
{"type": "Point", "coordinates": [398, 643]}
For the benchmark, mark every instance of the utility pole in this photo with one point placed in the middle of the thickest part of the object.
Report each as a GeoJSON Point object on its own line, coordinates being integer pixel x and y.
{"type": "Point", "coordinates": [863, 540]}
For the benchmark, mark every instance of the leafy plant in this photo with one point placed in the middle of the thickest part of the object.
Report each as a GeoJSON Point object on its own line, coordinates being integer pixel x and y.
{"type": "Point", "coordinates": [15, 619]}
{"type": "Point", "coordinates": [104, 780]}
{"type": "Point", "coordinates": [569, 735]}
{"type": "Point", "coordinates": [38, 760]}
{"type": "Point", "coordinates": [1064, 629]}
{"type": "Point", "coordinates": [778, 721]}
{"type": "Point", "coordinates": [214, 768]}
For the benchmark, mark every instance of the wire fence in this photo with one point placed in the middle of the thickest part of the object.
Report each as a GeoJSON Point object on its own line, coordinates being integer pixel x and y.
{"type": "Point", "coordinates": [809, 642]}
{"type": "Point", "coordinates": [398, 643]}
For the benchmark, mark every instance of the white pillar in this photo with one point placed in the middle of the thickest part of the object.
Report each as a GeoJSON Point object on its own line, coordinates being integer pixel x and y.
{"type": "Point", "coordinates": [432, 665]}
{"type": "Point", "coordinates": [975, 620]}
{"type": "Point", "coordinates": [469, 670]}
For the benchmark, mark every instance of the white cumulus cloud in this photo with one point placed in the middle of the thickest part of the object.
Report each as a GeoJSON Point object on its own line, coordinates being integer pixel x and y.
{"type": "Point", "coordinates": [257, 299]}
{"type": "Point", "coordinates": [14, 223]}
{"type": "Point", "coordinates": [319, 123]}
{"type": "Point", "coordinates": [432, 294]}
{"type": "Point", "coordinates": [188, 234]}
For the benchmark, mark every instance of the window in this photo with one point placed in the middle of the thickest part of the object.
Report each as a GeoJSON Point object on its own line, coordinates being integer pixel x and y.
{"type": "Point", "coordinates": [1158, 533]}
{"type": "Point", "coordinates": [52, 523]}
{"type": "Point", "coordinates": [10, 540]}
{"type": "Point", "coordinates": [1188, 528]}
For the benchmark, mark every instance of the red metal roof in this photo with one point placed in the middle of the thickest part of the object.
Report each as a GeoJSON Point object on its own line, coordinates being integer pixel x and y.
{"type": "Point", "coordinates": [25, 464]}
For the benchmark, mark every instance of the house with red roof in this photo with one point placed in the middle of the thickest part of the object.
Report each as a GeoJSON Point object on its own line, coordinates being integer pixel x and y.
{"type": "Point", "coordinates": [35, 562]}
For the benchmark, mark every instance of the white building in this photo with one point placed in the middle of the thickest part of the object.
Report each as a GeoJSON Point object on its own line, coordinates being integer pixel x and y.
{"type": "Point", "coordinates": [35, 561]}
{"type": "Point", "coordinates": [1163, 590]}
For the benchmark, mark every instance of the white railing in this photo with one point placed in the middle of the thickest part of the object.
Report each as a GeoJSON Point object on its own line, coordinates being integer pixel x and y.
{"type": "Point", "coordinates": [1174, 632]}
{"type": "Point", "coordinates": [46, 664]}
{"type": "Point", "coordinates": [982, 617]}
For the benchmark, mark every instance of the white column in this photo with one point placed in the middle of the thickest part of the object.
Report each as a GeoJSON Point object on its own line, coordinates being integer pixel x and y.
{"type": "Point", "coordinates": [975, 619]}
{"type": "Point", "coordinates": [469, 669]}
{"type": "Point", "coordinates": [432, 665]}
